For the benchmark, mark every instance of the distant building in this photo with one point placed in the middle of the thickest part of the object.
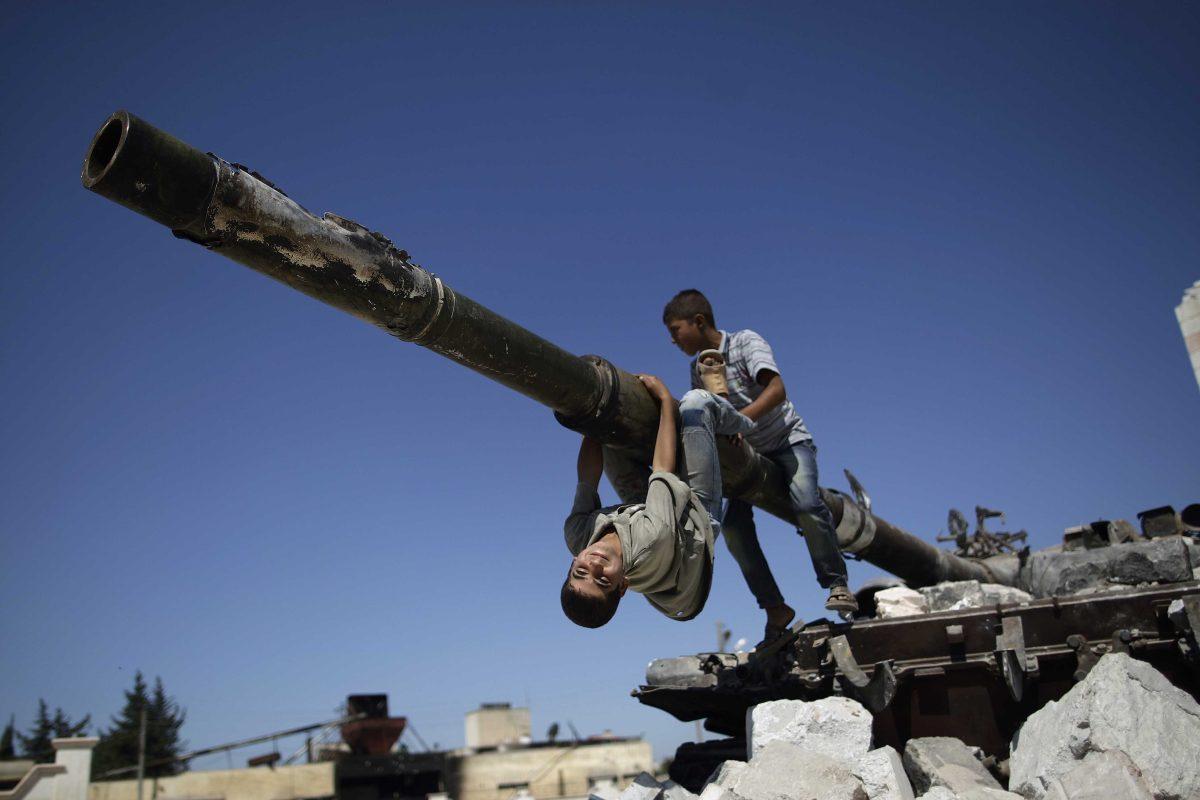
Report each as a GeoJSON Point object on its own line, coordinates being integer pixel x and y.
{"type": "Point", "coordinates": [1188, 314]}
{"type": "Point", "coordinates": [497, 724]}
{"type": "Point", "coordinates": [66, 779]}
{"type": "Point", "coordinates": [500, 761]}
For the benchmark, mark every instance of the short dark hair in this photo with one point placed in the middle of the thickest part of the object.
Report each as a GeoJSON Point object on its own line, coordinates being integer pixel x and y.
{"type": "Point", "coordinates": [686, 305]}
{"type": "Point", "coordinates": [586, 610]}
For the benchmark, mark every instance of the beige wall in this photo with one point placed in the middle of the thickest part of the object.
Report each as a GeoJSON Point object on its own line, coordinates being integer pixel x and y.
{"type": "Point", "coordinates": [260, 783]}
{"type": "Point", "coordinates": [491, 727]}
{"type": "Point", "coordinates": [559, 771]}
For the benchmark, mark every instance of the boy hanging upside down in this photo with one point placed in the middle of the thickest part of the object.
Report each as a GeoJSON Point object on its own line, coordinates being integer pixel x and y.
{"type": "Point", "coordinates": [662, 548]}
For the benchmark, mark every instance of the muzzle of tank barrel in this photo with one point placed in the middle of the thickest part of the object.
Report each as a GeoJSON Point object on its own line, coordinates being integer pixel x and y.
{"type": "Point", "coordinates": [237, 213]}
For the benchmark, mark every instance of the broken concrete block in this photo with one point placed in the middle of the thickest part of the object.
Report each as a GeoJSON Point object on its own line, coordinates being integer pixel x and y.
{"type": "Point", "coordinates": [1163, 560]}
{"type": "Point", "coordinates": [882, 774]}
{"type": "Point", "coordinates": [603, 789]}
{"type": "Point", "coordinates": [954, 595]}
{"type": "Point", "coordinates": [942, 761]}
{"type": "Point", "coordinates": [714, 792]}
{"type": "Point", "coordinates": [835, 726]}
{"type": "Point", "coordinates": [673, 791]}
{"type": "Point", "coordinates": [644, 787]}
{"type": "Point", "coordinates": [1125, 705]}
{"type": "Point", "coordinates": [985, 793]}
{"type": "Point", "coordinates": [727, 773]}
{"type": "Point", "coordinates": [938, 793]}
{"type": "Point", "coordinates": [900, 601]}
{"type": "Point", "coordinates": [783, 771]}
{"type": "Point", "coordinates": [996, 593]}
{"type": "Point", "coordinates": [1101, 776]}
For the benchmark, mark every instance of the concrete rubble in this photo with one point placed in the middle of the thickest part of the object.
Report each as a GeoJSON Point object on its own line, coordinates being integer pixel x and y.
{"type": "Point", "coordinates": [953, 595]}
{"type": "Point", "coordinates": [783, 771]}
{"type": "Point", "coordinates": [1101, 776]}
{"type": "Point", "coordinates": [900, 601]}
{"type": "Point", "coordinates": [1123, 705]}
{"type": "Point", "coordinates": [835, 726]}
{"type": "Point", "coordinates": [1123, 732]}
{"type": "Point", "coordinates": [882, 774]}
{"type": "Point", "coordinates": [959, 595]}
{"type": "Point", "coordinates": [942, 761]}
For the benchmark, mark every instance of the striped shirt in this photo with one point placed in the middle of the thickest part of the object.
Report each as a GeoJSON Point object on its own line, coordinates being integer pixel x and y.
{"type": "Point", "coordinates": [746, 354]}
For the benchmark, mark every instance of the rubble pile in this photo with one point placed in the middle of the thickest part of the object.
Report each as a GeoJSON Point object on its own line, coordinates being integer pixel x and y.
{"type": "Point", "coordinates": [900, 601]}
{"type": "Point", "coordinates": [1123, 732]}
{"type": "Point", "coordinates": [1057, 572]}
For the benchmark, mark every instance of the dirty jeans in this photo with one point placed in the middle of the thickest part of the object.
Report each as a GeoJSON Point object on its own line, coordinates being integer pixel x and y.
{"type": "Point", "coordinates": [703, 416]}
{"type": "Point", "coordinates": [813, 521]}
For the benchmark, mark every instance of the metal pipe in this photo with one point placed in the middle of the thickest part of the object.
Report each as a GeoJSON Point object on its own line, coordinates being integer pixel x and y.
{"type": "Point", "coordinates": [237, 213]}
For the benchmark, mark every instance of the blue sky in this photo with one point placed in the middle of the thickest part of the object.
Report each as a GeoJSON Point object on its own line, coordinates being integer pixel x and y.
{"type": "Point", "coordinates": [963, 227]}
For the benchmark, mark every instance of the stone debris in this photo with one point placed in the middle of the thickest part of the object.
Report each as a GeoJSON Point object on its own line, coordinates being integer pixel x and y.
{"type": "Point", "coordinates": [975, 793]}
{"type": "Point", "coordinates": [727, 773]}
{"type": "Point", "coordinates": [1122, 705]}
{"type": "Point", "coordinates": [783, 771]}
{"type": "Point", "coordinates": [882, 774]}
{"type": "Point", "coordinates": [604, 789]}
{"type": "Point", "coordinates": [673, 791]}
{"type": "Point", "coordinates": [838, 727]}
{"type": "Point", "coordinates": [954, 595]}
{"type": "Point", "coordinates": [942, 761]}
{"type": "Point", "coordinates": [1101, 776]}
{"type": "Point", "coordinates": [1163, 560]}
{"type": "Point", "coordinates": [644, 787]}
{"type": "Point", "coordinates": [1123, 733]}
{"type": "Point", "coordinates": [900, 601]}
{"type": "Point", "coordinates": [994, 593]}
{"type": "Point", "coordinates": [714, 792]}
{"type": "Point", "coordinates": [938, 793]}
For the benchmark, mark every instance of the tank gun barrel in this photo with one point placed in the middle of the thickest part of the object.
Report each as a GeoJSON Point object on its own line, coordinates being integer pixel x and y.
{"type": "Point", "coordinates": [235, 212]}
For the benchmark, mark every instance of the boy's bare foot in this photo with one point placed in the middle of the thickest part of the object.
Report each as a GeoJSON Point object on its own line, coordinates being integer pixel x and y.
{"type": "Point", "coordinates": [712, 372]}
{"type": "Point", "coordinates": [778, 619]}
{"type": "Point", "coordinates": [841, 601]}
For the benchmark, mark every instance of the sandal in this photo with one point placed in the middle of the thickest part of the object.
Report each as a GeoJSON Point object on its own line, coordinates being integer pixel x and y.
{"type": "Point", "coordinates": [841, 601]}
{"type": "Point", "coordinates": [712, 372]}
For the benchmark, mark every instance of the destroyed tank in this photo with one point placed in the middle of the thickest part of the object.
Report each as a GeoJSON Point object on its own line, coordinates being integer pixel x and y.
{"type": "Point", "coordinates": [974, 672]}
{"type": "Point", "coordinates": [978, 659]}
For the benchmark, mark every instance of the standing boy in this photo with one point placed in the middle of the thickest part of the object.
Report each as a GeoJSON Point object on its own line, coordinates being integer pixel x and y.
{"type": "Point", "coordinates": [663, 547]}
{"type": "Point", "coordinates": [756, 388]}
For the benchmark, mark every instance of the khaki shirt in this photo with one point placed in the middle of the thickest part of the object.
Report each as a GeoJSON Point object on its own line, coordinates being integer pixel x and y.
{"type": "Point", "coordinates": [666, 542]}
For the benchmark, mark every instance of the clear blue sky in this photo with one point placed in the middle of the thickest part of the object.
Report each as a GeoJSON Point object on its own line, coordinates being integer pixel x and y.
{"type": "Point", "coordinates": [963, 227]}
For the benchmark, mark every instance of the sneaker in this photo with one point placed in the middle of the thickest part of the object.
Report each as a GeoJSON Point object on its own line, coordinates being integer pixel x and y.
{"type": "Point", "coordinates": [712, 372]}
{"type": "Point", "coordinates": [841, 601]}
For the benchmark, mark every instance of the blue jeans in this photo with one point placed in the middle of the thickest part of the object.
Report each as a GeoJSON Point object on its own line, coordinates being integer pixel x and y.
{"type": "Point", "coordinates": [813, 521]}
{"type": "Point", "coordinates": [703, 417]}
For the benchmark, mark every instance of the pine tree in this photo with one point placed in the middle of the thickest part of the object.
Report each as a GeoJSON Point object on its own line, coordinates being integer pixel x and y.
{"type": "Point", "coordinates": [65, 729]}
{"type": "Point", "coordinates": [118, 745]}
{"type": "Point", "coordinates": [37, 743]}
{"type": "Point", "coordinates": [7, 750]}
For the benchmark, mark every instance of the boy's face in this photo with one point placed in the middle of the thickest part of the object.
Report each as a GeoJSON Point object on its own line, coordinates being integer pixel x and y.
{"type": "Point", "coordinates": [598, 571]}
{"type": "Point", "coordinates": [687, 334]}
